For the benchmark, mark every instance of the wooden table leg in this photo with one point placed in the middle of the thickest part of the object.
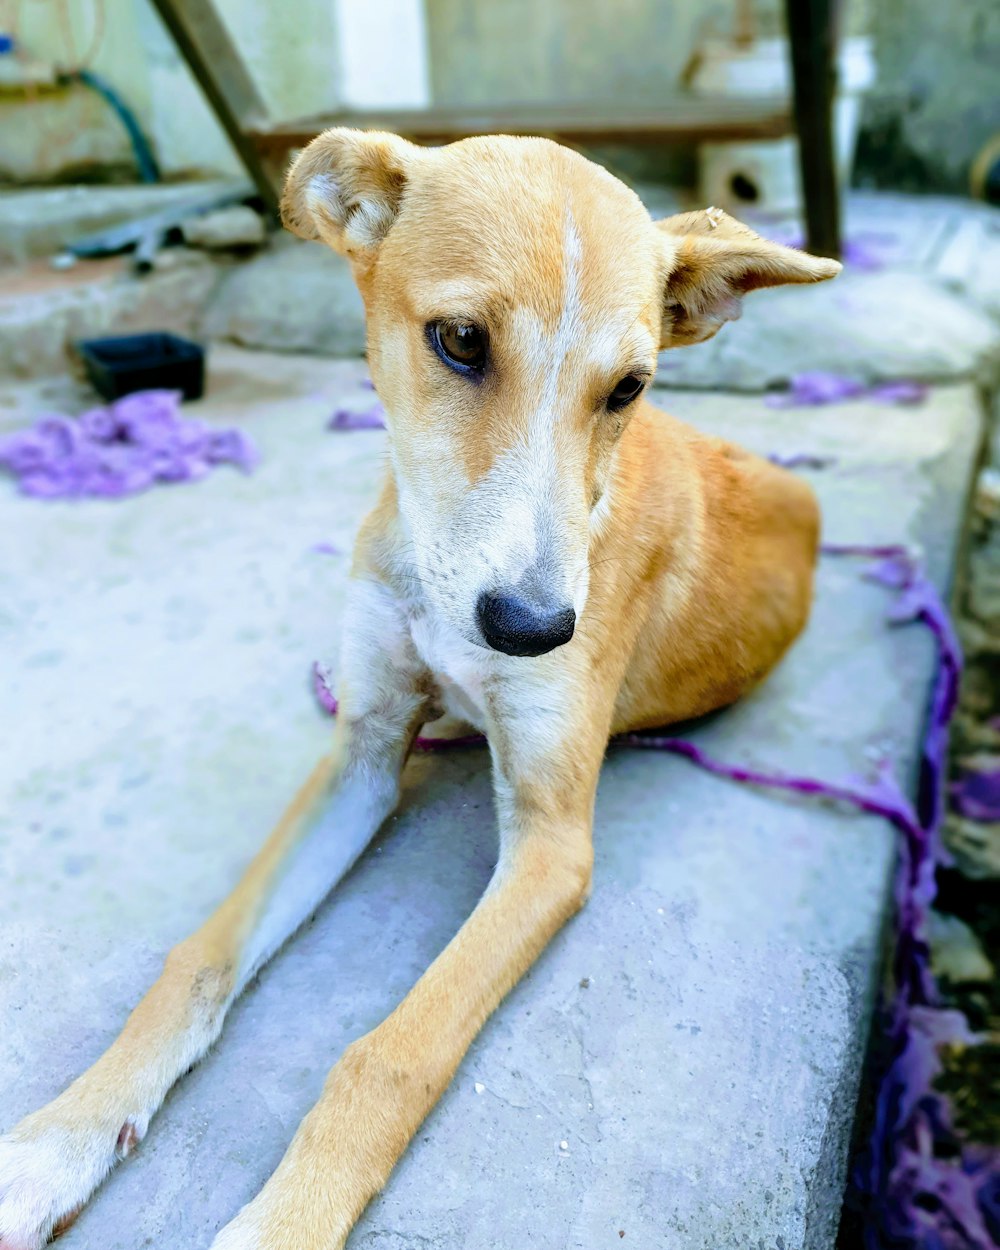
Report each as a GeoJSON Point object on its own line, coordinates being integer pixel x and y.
{"type": "Point", "coordinates": [811, 32]}
{"type": "Point", "coordinates": [205, 44]}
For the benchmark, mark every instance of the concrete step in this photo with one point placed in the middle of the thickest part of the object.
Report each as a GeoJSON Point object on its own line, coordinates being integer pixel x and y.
{"type": "Point", "coordinates": [928, 311]}
{"type": "Point", "coordinates": [44, 311]}
{"type": "Point", "coordinates": [912, 303]}
{"type": "Point", "coordinates": [694, 1037]}
{"type": "Point", "coordinates": [37, 222]}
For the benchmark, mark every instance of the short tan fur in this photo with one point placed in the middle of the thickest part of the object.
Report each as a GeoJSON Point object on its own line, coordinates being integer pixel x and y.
{"type": "Point", "coordinates": [544, 562]}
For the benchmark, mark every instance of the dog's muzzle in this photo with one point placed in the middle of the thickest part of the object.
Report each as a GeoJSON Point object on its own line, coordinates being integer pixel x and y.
{"type": "Point", "coordinates": [517, 626]}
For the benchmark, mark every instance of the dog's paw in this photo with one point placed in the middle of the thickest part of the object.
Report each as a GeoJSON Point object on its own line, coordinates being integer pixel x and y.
{"type": "Point", "coordinates": [49, 1167]}
{"type": "Point", "coordinates": [266, 1224]}
{"type": "Point", "coordinates": [241, 1233]}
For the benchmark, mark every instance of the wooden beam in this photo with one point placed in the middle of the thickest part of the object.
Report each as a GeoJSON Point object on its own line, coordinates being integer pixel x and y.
{"type": "Point", "coordinates": [811, 31]}
{"type": "Point", "coordinates": [213, 58]}
{"type": "Point", "coordinates": [686, 119]}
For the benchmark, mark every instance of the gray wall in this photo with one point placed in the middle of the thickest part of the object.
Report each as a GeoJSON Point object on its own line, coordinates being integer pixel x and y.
{"type": "Point", "coordinates": [485, 51]}
{"type": "Point", "coordinates": [937, 98]}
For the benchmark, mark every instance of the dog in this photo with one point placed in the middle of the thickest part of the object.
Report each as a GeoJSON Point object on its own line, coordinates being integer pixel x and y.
{"type": "Point", "coordinates": [551, 560]}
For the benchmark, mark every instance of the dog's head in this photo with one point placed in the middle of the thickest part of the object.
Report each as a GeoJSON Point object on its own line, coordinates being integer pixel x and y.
{"type": "Point", "coordinates": [517, 296]}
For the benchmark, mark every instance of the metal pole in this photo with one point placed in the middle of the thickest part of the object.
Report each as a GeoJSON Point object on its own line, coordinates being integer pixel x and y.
{"type": "Point", "coordinates": [811, 32]}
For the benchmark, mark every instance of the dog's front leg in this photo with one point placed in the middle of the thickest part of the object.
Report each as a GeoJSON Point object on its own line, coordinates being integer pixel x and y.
{"type": "Point", "coordinates": [546, 766]}
{"type": "Point", "coordinates": [54, 1159]}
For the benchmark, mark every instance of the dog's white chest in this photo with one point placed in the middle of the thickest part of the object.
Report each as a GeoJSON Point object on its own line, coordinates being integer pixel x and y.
{"type": "Point", "coordinates": [460, 667]}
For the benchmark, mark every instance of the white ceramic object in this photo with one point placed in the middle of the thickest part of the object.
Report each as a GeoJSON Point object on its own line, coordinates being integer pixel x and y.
{"type": "Point", "coordinates": [764, 174]}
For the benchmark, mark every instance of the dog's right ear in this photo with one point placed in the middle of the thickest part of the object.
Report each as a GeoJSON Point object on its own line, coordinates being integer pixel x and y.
{"type": "Point", "coordinates": [345, 188]}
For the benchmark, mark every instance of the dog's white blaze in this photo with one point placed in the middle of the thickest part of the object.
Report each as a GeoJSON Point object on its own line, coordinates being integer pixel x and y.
{"type": "Point", "coordinates": [489, 536]}
{"type": "Point", "coordinates": [570, 326]}
{"type": "Point", "coordinates": [520, 494]}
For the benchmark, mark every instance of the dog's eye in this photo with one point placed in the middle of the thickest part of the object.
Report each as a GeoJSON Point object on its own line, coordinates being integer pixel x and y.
{"type": "Point", "coordinates": [459, 344]}
{"type": "Point", "coordinates": [625, 391]}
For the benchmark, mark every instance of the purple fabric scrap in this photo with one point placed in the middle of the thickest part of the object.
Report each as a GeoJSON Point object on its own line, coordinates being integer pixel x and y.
{"type": "Point", "coordinates": [816, 387]}
{"type": "Point", "coordinates": [901, 391]}
{"type": "Point", "coordinates": [917, 1185]}
{"type": "Point", "coordinates": [120, 450]}
{"type": "Point", "coordinates": [372, 418]}
{"type": "Point", "coordinates": [867, 251]}
{"type": "Point", "coordinates": [801, 460]}
{"type": "Point", "coordinates": [975, 794]}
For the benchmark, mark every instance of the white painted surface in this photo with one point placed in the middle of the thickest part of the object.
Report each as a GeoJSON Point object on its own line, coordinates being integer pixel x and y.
{"type": "Point", "coordinates": [383, 53]}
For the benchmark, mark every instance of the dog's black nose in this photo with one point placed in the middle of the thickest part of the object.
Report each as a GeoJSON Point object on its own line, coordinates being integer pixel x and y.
{"type": "Point", "coordinates": [517, 627]}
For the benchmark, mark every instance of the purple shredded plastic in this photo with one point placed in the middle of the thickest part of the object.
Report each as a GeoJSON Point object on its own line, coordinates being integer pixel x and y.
{"type": "Point", "coordinates": [322, 688]}
{"type": "Point", "coordinates": [372, 418]}
{"type": "Point", "coordinates": [902, 391]}
{"type": "Point", "coordinates": [801, 460]}
{"type": "Point", "coordinates": [976, 793]}
{"type": "Point", "coordinates": [120, 450]}
{"type": "Point", "coordinates": [867, 251]}
{"type": "Point", "coordinates": [917, 1185]}
{"type": "Point", "coordinates": [817, 387]}
{"type": "Point", "coordinates": [326, 549]}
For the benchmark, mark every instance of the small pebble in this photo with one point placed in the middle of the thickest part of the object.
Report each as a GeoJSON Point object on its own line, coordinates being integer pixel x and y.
{"type": "Point", "coordinates": [480, 1088]}
{"type": "Point", "coordinates": [988, 493]}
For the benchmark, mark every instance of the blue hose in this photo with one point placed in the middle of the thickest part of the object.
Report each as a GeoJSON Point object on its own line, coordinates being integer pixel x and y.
{"type": "Point", "coordinates": [149, 170]}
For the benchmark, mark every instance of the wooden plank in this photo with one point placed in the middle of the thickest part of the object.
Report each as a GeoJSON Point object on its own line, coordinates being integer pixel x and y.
{"type": "Point", "coordinates": [812, 35]}
{"type": "Point", "coordinates": [213, 58]}
{"type": "Point", "coordinates": [685, 119]}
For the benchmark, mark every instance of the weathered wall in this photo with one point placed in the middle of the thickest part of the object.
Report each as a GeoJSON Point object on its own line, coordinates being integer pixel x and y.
{"type": "Point", "coordinates": [72, 129]}
{"type": "Point", "coordinates": [567, 50]}
{"type": "Point", "coordinates": [305, 58]}
{"type": "Point", "coordinates": [633, 51]}
{"type": "Point", "coordinates": [937, 99]}
{"type": "Point", "coordinates": [935, 105]}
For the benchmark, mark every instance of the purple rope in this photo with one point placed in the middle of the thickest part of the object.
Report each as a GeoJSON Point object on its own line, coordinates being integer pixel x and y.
{"type": "Point", "coordinates": [916, 1184]}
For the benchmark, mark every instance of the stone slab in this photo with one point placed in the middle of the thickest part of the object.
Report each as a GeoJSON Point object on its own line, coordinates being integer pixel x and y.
{"type": "Point", "coordinates": [44, 312]}
{"type": "Point", "coordinates": [296, 297]}
{"type": "Point", "coordinates": [924, 314]}
{"type": "Point", "coordinates": [870, 326]}
{"type": "Point", "coordinates": [40, 221]}
{"type": "Point", "coordinates": [154, 659]}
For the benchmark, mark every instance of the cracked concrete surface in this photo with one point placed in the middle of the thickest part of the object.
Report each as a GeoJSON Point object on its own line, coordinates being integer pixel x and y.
{"type": "Point", "coordinates": [694, 1037]}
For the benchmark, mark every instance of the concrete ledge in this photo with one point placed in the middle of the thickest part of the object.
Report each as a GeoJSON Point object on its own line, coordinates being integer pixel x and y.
{"type": "Point", "coordinates": [296, 297]}
{"type": "Point", "coordinates": [43, 313]}
{"type": "Point", "coordinates": [39, 221]}
{"type": "Point", "coordinates": [703, 1080]}
{"type": "Point", "coordinates": [870, 326]}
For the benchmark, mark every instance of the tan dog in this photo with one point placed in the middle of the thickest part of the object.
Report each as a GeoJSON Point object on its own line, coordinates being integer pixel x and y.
{"type": "Point", "coordinates": [551, 558]}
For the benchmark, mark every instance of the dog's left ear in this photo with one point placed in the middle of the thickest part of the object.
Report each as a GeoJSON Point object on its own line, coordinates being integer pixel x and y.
{"type": "Point", "coordinates": [346, 187]}
{"type": "Point", "coordinates": [712, 261]}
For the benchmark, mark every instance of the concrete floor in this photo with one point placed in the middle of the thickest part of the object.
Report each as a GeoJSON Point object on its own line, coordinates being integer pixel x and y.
{"type": "Point", "coordinates": [154, 662]}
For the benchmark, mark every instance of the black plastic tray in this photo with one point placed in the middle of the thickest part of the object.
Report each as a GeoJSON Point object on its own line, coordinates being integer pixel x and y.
{"type": "Point", "coordinates": [144, 362]}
